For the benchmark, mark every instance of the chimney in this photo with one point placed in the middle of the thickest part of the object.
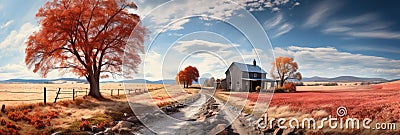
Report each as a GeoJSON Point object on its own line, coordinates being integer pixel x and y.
{"type": "Point", "coordinates": [254, 62]}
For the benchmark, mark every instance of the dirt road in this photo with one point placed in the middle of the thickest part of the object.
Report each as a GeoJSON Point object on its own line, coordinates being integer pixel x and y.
{"type": "Point", "coordinates": [200, 115]}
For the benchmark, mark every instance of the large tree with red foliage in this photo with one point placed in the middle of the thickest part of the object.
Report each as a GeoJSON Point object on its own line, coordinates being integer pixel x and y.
{"type": "Point", "coordinates": [187, 76]}
{"type": "Point", "coordinates": [87, 38]}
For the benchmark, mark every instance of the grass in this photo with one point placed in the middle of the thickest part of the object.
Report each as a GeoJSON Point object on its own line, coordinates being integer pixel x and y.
{"type": "Point", "coordinates": [65, 116]}
{"type": "Point", "coordinates": [76, 127]}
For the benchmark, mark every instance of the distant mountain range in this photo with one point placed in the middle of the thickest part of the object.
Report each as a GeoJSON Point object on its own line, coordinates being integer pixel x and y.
{"type": "Point", "coordinates": [342, 79]}
{"type": "Point", "coordinates": [63, 80]}
{"type": "Point", "coordinates": [59, 80]}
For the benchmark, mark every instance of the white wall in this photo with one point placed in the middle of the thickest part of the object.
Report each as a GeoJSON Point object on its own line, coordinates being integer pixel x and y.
{"type": "Point", "coordinates": [234, 78]}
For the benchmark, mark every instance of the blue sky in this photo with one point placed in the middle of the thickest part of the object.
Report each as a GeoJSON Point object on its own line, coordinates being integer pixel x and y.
{"type": "Point", "coordinates": [327, 38]}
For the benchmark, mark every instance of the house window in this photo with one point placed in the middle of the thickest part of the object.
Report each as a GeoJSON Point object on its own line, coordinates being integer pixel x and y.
{"type": "Point", "coordinates": [255, 75]}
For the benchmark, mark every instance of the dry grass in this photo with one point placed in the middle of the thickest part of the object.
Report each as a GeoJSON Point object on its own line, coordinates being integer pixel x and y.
{"type": "Point", "coordinates": [171, 94]}
{"type": "Point", "coordinates": [67, 115]}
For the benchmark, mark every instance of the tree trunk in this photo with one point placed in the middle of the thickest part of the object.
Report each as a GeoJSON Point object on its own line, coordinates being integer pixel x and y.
{"type": "Point", "coordinates": [281, 83]}
{"type": "Point", "coordinates": [94, 87]}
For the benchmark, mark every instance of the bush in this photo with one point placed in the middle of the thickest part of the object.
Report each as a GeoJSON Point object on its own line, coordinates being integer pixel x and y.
{"type": "Point", "coordinates": [102, 125]}
{"type": "Point", "coordinates": [330, 84]}
{"type": "Point", "coordinates": [291, 87]}
{"type": "Point", "coordinates": [280, 90]}
{"type": "Point", "coordinates": [84, 125]}
{"type": "Point", "coordinates": [16, 115]}
{"type": "Point", "coordinates": [219, 86]}
{"type": "Point", "coordinates": [299, 84]}
{"type": "Point", "coordinates": [3, 121]}
{"type": "Point", "coordinates": [11, 125]}
{"type": "Point", "coordinates": [258, 88]}
{"type": "Point", "coordinates": [288, 87]}
{"type": "Point", "coordinates": [37, 118]}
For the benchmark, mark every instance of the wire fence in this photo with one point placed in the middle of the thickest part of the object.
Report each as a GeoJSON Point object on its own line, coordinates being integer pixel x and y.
{"type": "Point", "coordinates": [60, 93]}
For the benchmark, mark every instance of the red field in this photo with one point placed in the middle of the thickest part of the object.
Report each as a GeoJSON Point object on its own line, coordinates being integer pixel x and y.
{"type": "Point", "coordinates": [379, 102]}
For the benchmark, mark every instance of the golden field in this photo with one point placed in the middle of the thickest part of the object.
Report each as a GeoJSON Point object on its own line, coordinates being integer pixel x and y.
{"type": "Point", "coordinates": [15, 91]}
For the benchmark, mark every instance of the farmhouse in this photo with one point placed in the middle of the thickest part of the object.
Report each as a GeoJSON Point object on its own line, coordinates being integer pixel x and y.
{"type": "Point", "coordinates": [246, 77]}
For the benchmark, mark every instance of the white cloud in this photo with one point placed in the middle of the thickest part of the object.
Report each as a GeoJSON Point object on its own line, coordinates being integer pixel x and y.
{"type": "Point", "coordinates": [178, 25]}
{"type": "Point", "coordinates": [296, 4]}
{"type": "Point", "coordinates": [19, 70]}
{"type": "Point", "coordinates": [12, 50]}
{"type": "Point", "coordinates": [15, 41]}
{"type": "Point", "coordinates": [384, 34]}
{"type": "Point", "coordinates": [273, 22]}
{"type": "Point", "coordinates": [194, 45]}
{"type": "Point", "coordinates": [207, 63]}
{"type": "Point", "coordinates": [268, 4]}
{"type": "Point", "coordinates": [160, 14]}
{"type": "Point", "coordinates": [7, 24]}
{"type": "Point", "coordinates": [275, 9]}
{"type": "Point", "coordinates": [277, 26]}
{"type": "Point", "coordinates": [365, 26]}
{"type": "Point", "coordinates": [322, 11]}
{"type": "Point", "coordinates": [285, 28]}
{"type": "Point", "coordinates": [354, 20]}
{"type": "Point", "coordinates": [11, 68]}
{"type": "Point", "coordinates": [152, 66]}
{"type": "Point", "coordinates": [273, 5]}
{"type": "Point", "coordinates": [335, 29]}
{"type": "Point", "coordinates": [330, 62]}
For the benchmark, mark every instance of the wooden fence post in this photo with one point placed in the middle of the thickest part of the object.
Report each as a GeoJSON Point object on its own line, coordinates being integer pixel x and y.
{"type": "Point", "coordinates": [73, 94]}
{"type": "Point", "coordinates": [111, 92]}
{"type": "Point", "coordinates": [118, 92]}
{"type": "Point", "coordinates": [44, 95]}
{"type": "Point", "coordinates": [3, 108]}
{"type": "Point", "coordinates": [58, 92]}
{"type": "Point", "coordinates": [86, 91]}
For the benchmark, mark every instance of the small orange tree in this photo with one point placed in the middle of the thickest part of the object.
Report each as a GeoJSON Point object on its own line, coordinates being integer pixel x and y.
{"type": "Point", "coordinates": [284, 68]}
{"type": "Point", "coordinates": [187, 76]}
{"type": "Point", "coordinates": [87, 38]}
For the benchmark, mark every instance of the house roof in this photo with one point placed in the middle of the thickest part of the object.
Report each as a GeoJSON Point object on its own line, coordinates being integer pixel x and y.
{"type": "Point", "coordinates": [248, 68]}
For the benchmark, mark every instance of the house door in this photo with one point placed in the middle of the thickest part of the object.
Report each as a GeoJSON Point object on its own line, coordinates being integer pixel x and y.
{"type": "Point", "coordinates": [253, 85]}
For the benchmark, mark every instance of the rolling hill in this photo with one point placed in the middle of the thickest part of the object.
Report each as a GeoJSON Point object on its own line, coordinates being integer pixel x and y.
{"type": "Point", "coordinates": [342, 79]}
